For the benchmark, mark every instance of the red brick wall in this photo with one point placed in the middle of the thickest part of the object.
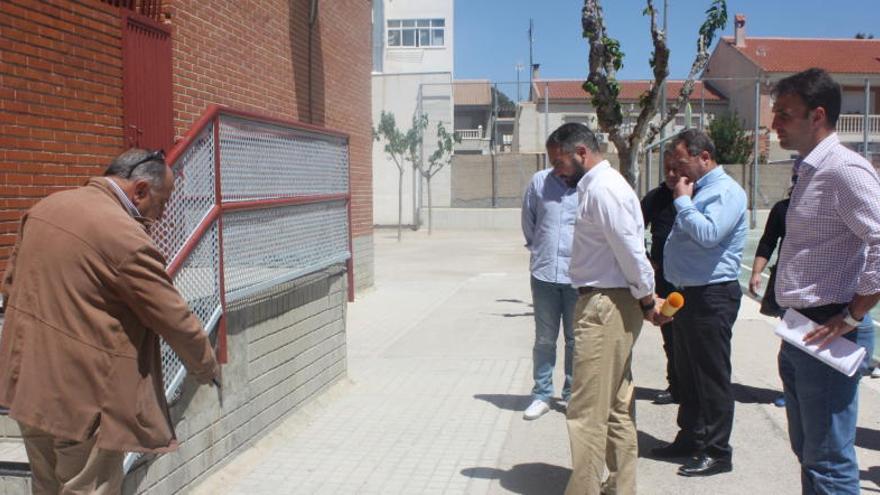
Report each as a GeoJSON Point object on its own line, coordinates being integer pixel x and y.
{"type": "Point", "coordinates": [61, 78]}
{"type": "Point", "coordinates": [253, 55]}
{"type": "Point", "coordinates": [60, 100]}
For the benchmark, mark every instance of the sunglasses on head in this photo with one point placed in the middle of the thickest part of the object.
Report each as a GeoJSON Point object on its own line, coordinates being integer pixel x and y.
{"type": "Point", "coordinates": [157, 155]}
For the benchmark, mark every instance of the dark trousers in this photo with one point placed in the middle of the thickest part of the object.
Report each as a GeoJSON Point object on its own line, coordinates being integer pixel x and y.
{"type": "Point", "coordinates": [703, 329]}
{"type": "Point", "coordinates": [663, 288]}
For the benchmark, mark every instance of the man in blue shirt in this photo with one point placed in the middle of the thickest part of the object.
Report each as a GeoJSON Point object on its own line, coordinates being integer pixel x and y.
{"type": "Point", "coordinates": [702, 260]}
{"type": "Point", "coordinates": [548, 213]}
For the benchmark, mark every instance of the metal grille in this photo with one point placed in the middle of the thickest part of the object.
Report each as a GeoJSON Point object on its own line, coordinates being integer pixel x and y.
{"type": "Point", "coordinates": [264, 161]}
{"type": "Point", "coordinates": [265, 247]}
{"type": "Point", "coordinates": [192, 198]}
{"type": "Point", "coordinates": [198, 281]}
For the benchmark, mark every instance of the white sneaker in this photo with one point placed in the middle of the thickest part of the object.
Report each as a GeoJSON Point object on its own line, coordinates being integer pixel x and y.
{"type": "Point", "coordinates": [536, 409]}
{"type": "Point", "coordinates": [875, 373]}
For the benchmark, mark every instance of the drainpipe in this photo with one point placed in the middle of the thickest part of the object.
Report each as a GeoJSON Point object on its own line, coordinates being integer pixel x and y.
{"type": "Point", "coordinates": [313, 16]}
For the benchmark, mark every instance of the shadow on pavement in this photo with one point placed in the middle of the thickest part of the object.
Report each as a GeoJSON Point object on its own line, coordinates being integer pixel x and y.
{"type": "Point", "coordinates": [746, 394]}
{"type": "Point", "coordinates": [643, 393]}
{"type": "Point", "coordinates": [867, 438]}
{"type": "Point", "coordinates": [648, 442]}
{"type": "Point", "coordinates": [528, 479]}
{"type": "Point", "coordinates": [519, 301]}
{"type": "Point", "coordinates": [514, 315]}
{"type": "Point", "coordinates": [508, 402]}
{"type": "Point", "coordinates": [872, 475]}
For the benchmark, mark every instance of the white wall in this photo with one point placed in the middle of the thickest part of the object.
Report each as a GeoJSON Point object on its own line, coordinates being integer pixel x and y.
{"type": "Point", "coordinates": [399, 94]}
{"type": "Point", "coordinates": [396, 90]}
{"type": "Point", "coordinates": [430, 59]}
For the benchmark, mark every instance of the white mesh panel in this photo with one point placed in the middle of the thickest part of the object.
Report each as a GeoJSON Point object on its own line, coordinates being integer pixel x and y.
{"type": "Point", "coordinates": [265, 245]}
{"type": "Point", "coordinates": [263, 161]}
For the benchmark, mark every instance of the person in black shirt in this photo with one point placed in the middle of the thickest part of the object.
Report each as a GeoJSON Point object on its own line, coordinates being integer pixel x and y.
{"type": "Point", "coordinates": [659, 212]}
{"type": "Point", "coordinates": [774, 232]}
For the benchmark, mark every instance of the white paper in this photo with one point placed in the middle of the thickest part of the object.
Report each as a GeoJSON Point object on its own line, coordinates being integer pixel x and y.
{"type": "Point", "coordinates": [841, 354]}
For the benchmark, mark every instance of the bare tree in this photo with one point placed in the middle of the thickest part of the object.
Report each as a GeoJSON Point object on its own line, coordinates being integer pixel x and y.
{"type": "Point", "coordinates": [400, 147]}
{"type": "Point", "coordinates": [441, 157]}
{"type": "Point", "coordinates": [606, 59]}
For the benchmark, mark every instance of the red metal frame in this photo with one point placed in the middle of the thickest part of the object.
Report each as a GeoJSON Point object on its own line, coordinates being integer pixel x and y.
{"type": "Point", "coordinates": [222, 354]}
{"type": "Point", "coordinates": [212, 116]}
{"type": "Point", "coordinates": [192, 242]}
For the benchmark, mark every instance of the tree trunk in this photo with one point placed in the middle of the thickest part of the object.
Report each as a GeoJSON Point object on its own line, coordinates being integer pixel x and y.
{"type": "Point", "coordinates": [629, 164]}
{"type": "Point", "coordinates": [399, 203]}
{"type": "Point", "coordinates": [430, 207]}
{"type": "Point", "coordinates": [415, 199]}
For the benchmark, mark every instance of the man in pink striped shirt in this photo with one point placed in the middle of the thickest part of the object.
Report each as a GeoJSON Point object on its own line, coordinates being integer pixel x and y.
{"type": "Point", "coordinates": [829, 270]}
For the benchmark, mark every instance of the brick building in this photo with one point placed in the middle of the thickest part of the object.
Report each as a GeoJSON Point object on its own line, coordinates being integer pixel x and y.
{"type": "Point", "coordinates": [81, 80]}
{"type": "Point", "coordinates": [61, 86]}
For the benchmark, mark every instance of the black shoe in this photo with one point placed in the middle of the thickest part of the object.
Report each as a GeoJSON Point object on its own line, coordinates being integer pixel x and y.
{"type": "Point", "coordinates": [673, 450]}
{"type": "Point", "coordinates": [664, 397]}
{"type": "Point", "coordinates": [704, 465]}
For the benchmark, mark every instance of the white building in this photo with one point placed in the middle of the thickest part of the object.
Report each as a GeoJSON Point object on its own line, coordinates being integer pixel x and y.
{"type": "Point", "coordinates": [412, 74]}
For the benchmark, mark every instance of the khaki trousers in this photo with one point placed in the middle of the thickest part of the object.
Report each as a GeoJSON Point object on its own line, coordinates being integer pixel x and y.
{"type": "Point", "coordinates": [601, 413]}
{"type": "Point", "coordinates": [65, 467]}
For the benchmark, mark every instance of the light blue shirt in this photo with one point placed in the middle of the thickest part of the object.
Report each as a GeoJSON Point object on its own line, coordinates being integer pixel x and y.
{"type": "Point", "coordinates": [548, 214]}
{"type": "Point", "coordinates": [707, 239]}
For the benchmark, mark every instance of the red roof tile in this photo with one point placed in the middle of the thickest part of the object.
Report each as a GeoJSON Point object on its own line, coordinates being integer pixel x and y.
{"type": "Point", "coordinates": [840, 56]}
{"type": "Point", "coordinates": [629, 90]}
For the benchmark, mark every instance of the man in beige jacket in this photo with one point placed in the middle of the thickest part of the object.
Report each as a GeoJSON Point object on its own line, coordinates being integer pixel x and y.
{"type": "Point", "coordinates": [87, 298]}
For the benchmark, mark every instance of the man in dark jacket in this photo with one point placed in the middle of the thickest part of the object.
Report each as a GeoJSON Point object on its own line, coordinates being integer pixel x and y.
{"type": "Point", "coordinates": [659, 213]}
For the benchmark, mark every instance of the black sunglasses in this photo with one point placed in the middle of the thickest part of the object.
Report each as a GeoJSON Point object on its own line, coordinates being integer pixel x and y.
{"type": "Point", "coordinates": [157, 155]}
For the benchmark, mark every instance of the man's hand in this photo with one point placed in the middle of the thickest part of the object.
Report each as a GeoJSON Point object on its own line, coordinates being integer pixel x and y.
{"type": "Point", "coordinates": [824, 334]}
{"type": "Point", "coordinates": [755, 284]}
{"type": "Point", "coordinates": [684, 187]}
{"type": "Point", "coordinates": [210, 378]}
{"type": "Point", "coordinates": [654, 315]}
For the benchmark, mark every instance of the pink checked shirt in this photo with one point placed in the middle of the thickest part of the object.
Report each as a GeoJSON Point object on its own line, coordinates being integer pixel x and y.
{"type": "Point", "coordinates": [832, 243]}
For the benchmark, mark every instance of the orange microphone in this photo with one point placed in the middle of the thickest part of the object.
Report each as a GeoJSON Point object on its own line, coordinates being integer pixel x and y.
{"type": "Point", "coordinates": [674, 301]}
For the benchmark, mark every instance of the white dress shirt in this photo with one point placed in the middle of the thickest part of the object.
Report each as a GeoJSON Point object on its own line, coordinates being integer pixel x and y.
{"type": "Point", "coordinates": [609, 235]}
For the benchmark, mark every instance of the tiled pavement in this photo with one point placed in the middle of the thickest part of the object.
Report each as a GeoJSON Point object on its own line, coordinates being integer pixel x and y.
{"type": "Point", "coordinates": [440, 370]}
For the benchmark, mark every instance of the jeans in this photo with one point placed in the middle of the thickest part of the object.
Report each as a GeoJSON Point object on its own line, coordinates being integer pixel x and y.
{"type": "Point", "coordinates": [822, 407]}
{"type": "Point", "coordinates": [865, 338]}
{"type": "Point", "coordinates": [552, 302]}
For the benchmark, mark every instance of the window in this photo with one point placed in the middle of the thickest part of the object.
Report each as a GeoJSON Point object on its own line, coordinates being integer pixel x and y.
{"type": "Point", "coordinates": [416, 32]}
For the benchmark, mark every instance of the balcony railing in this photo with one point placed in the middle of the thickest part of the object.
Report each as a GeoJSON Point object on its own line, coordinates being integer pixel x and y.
{"type": "Point", "coordinates": [470, 133]}
{"type": "Point", "coordinates": [855, 124]}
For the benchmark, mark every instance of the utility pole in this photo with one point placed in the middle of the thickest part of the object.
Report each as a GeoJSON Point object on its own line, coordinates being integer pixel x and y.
{"type": "Point", "coordinates": [531, 54]}
{"type": "Point", "coordinates": [519, 68]}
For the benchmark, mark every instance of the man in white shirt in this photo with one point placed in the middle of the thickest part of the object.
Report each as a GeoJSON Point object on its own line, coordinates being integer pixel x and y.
{"type": "Point", "coordinates": [615, 282]}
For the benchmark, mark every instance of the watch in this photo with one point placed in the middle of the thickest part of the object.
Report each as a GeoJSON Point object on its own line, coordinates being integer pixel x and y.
{"type": "Point", "coordinates": [647, 307]}
{"type": "Point", "coordinates": [849, 319]}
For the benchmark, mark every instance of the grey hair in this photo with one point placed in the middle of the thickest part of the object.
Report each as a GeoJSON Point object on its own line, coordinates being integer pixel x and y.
{"type": "Point", "coordinates": [695, 141]}
{"type": "Point", "coordinates": [569, 135]}
{"type": "Point", "coordinates": [139, 164]}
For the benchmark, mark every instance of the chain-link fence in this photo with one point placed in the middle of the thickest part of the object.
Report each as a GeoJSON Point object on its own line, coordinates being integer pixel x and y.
{"type": "Point", "coordinates": [257, 203]}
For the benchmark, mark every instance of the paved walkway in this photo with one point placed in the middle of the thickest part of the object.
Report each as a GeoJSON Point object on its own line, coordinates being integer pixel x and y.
{"type": "Point", "coordinates": [440, 371]}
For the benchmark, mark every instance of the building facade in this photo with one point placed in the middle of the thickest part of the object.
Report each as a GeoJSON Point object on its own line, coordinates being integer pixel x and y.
{"type": "Point", "coordinates": [412, 75]}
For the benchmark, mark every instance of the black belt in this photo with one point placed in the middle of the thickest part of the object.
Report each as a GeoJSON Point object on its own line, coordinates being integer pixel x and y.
{"type": "Point", "coordinates": [587, 289]}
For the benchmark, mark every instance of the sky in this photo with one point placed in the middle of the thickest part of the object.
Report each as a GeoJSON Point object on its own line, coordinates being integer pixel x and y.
{"type": "Point", "coordinates": [491, 35]}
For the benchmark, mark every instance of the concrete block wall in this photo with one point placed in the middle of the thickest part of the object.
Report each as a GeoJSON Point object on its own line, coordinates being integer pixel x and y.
{"type": "Point", "coordinates": [472, 179]}
{"type": "Point", "coordinates": [285, 346]}
{"type": "Point", "coordinates": [363, 261]}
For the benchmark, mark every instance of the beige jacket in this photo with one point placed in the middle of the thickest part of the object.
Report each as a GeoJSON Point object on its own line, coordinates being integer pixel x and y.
{"type": "Point", "coordinates": [87, 298]}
